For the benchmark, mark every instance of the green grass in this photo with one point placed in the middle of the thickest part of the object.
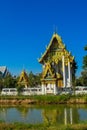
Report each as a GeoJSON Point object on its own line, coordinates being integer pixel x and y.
{"type": "Point", "coordinates": [39, 97]}
{"type": "Point", "coordinates": [47, 99]}
{"type": "Point", "coordinates": [21, 126]}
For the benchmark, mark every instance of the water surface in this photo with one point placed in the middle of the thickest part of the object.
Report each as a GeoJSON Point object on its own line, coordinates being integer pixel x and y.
{"type": "Point", "coordinates": [60, 114]}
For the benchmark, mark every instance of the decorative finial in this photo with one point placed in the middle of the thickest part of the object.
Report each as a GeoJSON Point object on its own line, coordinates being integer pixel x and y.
{"type": "Point", "coordinates": [23, 68]}
{"type": "Point", "coordinates": [55, 29]}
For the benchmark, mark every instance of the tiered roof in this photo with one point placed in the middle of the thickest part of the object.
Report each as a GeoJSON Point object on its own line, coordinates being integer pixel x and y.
{"type": "Point", "coordinates": [60, 48]}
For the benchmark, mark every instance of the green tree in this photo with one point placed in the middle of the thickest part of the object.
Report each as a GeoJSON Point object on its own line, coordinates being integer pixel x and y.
{"type": "Point", "coordinates": [74, 68]}
{"type": "Point", "coordinates": [1, 80]}
{"type": "Point", "coordinates": [85, 48]}
{"type": "Point", "coordinates": [85, 60]}
{"type": "Point", "coordinates": [31, 79]}
{"type": "Point", "coordinates": [10, 81]}
{"type": "Point", "coordinates": [34, 79]}
{"type": "Point", "coordinates": [84, 72]}
{"type": "Point", "coordinates": [79, 81]}
{"type": "Point", "coordinates": [38, 79]}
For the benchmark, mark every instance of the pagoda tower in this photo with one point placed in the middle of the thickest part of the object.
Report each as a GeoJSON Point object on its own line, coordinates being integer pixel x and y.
{"type": "Point", "coordinates": [57, 66]}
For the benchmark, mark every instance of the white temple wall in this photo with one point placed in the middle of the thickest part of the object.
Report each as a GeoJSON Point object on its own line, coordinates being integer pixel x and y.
{"type": "Point", "coordinates": [49, 89]}
{"type": "Point", "coordinates": [43, 89]}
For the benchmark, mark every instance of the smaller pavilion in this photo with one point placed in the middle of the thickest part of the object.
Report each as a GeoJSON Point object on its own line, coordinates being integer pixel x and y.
{"type": "Point", "coordinates": [23, 80]}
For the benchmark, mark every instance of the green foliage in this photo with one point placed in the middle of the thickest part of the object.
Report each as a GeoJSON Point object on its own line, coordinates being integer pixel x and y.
{"type": "Point", "coordinates": [84, 72]}
{"type": "Point", "coordinates": [51, 99]}
{"type": "Point", "coordinates": [34, 80]}
{"type": "Point", "coordinates": [79, 81]}
{"type": "Point", "coordinates": [31, 79]}
{"type": "Point", "coordinates": [85, 59]}
{"type": "Point", "coordinates": [82, 80]}
{"type": "Point", "coordinates": [1, 84]}
{"type": "Point", "coordinates": [10, 81]}
{"type": "Point", "coordinates": [74, 68]}
{"type": "Point", "coordinates": [85, 48]}
{"type": "Point", "coordinates": [40, 99]}
{"type": "Point", "coordinates": [22, 126]}
{"type": "Point", "coordinates": [85, 62]}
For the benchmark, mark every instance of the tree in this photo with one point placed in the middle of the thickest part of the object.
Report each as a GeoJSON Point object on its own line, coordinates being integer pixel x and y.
{"type": "Point", "coordinates": [85, 59]}
{"type": "Point", "coordinates": [79, 81]}
{"type": "Point", "coordinates": [31, 79]}
{"type": "Point", "coordinates": [85, 62]}
{"type": "Point", "coordinates": [84, 72]}
{"type": "Point", "coordinates": [9, 81]}
{"type": "Point", "coordinates": [1, 80]}
{"type": "Point", "coordinates": [74, 68]}
{"type": "Point", "coordinates": [38, 79]}
{"type": "Point", "coordinates": [34, 80]}
{"type": "Point", "coordinates": [85, 48]}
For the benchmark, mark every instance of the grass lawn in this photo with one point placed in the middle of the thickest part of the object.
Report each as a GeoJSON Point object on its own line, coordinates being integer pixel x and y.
{"type": "Point", "coordinates": [21, 126]}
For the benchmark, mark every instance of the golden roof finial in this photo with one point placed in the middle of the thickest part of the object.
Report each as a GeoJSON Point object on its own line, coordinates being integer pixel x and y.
{"type": "Point", "coordinates": [55, 29]}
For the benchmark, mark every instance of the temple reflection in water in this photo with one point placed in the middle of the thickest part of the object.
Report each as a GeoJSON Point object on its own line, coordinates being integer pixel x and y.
{"type": "Point", "coordinates": [59, 114]}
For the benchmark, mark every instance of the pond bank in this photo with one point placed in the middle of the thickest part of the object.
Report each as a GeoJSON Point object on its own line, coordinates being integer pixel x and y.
{"type": "Point", "coordinates": [30, 101]}
{"type": "Point", "coordinates": [43, 99]}
{"type": "Point", "coordinates": [21, 126]}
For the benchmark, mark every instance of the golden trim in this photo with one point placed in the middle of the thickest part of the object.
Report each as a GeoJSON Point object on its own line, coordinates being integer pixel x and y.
{"type": "Point", "coordinates": [56, 56]}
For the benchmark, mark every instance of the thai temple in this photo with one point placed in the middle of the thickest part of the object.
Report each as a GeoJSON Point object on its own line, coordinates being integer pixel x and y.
{"type": "Point", "coordinates": [57, 67]}
{"type": "Point", "coordinates": [3, 71]}
{"type": "Point", "coordinates": [23, 79]}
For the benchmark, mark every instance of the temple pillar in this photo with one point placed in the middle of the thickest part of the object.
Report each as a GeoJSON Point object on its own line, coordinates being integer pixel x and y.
{"type": "Point", "coordinates": [64, 78]}
{"type": "Point", "coordinates": [43, 89]}
{"type": "Point", "coordinates": [55, 90]}
{"type": "Point", "coordinates": [69, 75]}
{"type": "Point", "coordinates": [26, 86]}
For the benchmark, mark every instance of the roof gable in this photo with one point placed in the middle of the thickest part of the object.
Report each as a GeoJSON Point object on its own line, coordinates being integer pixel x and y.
{"type": "Point", "coordinates": [55, 50]}
{"type": "Point", "coordinates": [23, 78]}
{"type": "Point", "coordinates": [3, 69]}
{"type": "Point", "coordinates": [48, 72]}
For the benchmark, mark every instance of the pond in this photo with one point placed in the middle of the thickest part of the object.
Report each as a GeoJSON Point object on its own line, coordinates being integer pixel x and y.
{"type": "Point", "coordinates": [61, 114]}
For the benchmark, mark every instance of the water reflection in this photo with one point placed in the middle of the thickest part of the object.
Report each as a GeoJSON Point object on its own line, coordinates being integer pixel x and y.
{"type": "Point", "coordinates": [59, 114]}
{"type": "Point", "coordinates": [68, 117]}
{"type": "Point", "coordinates": [50, 115]}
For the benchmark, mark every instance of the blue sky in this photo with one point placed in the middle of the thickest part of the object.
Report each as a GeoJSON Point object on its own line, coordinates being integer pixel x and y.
{"type": "Point", "coordinates": [26, 27]}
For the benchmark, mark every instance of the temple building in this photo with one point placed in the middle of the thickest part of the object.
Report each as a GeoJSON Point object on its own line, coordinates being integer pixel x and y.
{"type": "Point", "coordinates": [23, 79]}
{"type": "Point", "coordinates": [57, 64]}
{"type": "Point", "coordinates": [3, 71]}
